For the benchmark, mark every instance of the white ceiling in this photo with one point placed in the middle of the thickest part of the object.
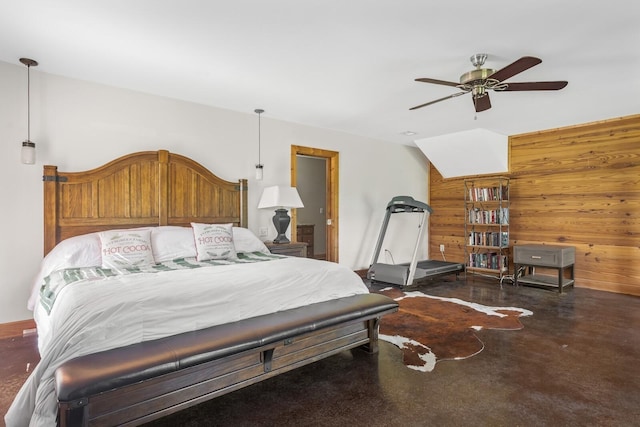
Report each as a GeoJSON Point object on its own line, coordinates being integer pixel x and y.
{"type": "Point", "coordinates": [348, 65]}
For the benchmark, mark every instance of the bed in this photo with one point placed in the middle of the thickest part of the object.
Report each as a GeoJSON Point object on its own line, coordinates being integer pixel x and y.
{"type": "Point", "coordinates": [153, 297]}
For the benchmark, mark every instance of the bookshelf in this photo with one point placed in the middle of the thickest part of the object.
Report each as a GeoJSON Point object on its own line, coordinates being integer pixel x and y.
{"type": "Point", "coordinates": [486, 226]}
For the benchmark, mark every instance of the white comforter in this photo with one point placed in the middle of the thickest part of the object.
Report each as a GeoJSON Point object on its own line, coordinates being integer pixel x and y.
{"type": "Point", "coordinates": [97, 315]}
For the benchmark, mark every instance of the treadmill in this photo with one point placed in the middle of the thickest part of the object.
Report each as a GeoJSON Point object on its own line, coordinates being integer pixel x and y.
{"type": "Point", "coordinates": [408, 274]}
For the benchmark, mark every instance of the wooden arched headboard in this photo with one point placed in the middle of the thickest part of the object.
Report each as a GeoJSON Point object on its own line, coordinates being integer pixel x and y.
{"type": "Point", "coordinates": [143, 189]}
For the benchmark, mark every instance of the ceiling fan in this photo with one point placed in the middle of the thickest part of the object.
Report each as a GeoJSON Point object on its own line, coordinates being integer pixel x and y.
{"type": "Point", "coordinates": [481, 80]}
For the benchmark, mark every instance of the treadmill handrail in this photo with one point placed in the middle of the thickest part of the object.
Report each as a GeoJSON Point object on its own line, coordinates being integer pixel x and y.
{"type": "Point", "coordinates": [407, 204]}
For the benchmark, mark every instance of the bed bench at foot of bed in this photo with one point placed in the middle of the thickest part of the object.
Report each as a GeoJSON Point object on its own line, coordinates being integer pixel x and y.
{"type": "Point", "coordinates": [138, 383]}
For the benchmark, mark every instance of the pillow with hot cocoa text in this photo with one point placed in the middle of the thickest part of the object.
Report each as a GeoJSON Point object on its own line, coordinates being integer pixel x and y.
{"type": "Point", "coordinates": [124, 249]}
{"type": "Point", "coordinates": [213, 241]}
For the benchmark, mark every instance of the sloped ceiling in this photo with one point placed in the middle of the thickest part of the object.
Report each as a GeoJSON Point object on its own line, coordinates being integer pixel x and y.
{"type": "Point", "coordinates": [347, 65]}
{"type": "Point", "coordinates": [469, 152]}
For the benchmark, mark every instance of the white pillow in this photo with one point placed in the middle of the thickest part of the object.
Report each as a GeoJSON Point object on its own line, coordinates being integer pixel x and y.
{"type": "Point", "coordinates": [126, 248]}
{"type": "Point", "coordinates": [245, 241]}
{"type": "Point", "coordinates": [213, 241]}
{"type": "Point", "coordinates": [171, 242]}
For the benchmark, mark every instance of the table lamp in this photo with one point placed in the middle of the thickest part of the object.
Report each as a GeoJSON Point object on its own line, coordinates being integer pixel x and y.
{"type": "Point", "coordinates": [281, 198]}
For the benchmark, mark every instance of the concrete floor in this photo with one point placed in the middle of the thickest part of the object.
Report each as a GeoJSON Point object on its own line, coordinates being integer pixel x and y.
{"type": "Point", "coordinates": [576, 362]}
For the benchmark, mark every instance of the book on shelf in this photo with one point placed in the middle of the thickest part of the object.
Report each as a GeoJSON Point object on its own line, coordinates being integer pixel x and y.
{"type": "Point", "coordinates": [484, 194]}
{"type": "Point", "coordinates": [491, 216]}
{"type": "Point", "coordinates": [489, 260]}
{"type": "Point", "coordinates": [489, 238]}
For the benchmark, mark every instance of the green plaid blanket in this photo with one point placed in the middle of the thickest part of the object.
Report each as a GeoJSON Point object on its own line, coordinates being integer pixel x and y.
{"type": "Point", "coordinates": [57, 280]}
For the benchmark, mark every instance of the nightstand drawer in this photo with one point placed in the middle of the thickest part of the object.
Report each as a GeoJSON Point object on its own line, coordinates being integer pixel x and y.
{"type": "Point", "coordinates": [544, 255]}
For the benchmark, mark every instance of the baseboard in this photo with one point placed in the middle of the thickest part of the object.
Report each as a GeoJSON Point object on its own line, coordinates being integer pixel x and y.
{"type": "Point", "coordinates": [17, 329]}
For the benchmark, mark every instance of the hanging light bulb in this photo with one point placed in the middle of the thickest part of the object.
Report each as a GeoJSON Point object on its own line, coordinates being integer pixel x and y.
{"type": "Point", "coordinates": [259, 165]}
{"type": "Point", "coordinates": [28, 153]}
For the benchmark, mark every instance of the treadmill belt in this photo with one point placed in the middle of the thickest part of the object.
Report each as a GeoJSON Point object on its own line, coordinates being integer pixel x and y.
{"type": "Point", "coordinates": [434, 267]}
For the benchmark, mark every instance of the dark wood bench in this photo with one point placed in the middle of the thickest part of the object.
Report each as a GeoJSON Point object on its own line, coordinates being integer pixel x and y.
{"type": "Point", "coordinates": [138, 383]}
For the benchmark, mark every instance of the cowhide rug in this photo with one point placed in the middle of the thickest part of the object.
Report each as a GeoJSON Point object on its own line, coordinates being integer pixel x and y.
{"type": "Point", "coordinates": [429, 329]}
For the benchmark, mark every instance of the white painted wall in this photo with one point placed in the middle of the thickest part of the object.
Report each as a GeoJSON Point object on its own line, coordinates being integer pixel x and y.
{"type": "Point", "coordinates": [311, 182]}
{"type": "Point", "coordinates": [78, 125]}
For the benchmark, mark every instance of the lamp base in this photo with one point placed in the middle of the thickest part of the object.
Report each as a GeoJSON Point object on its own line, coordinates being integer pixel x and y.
{"type": "Point", "coordinates": [281, 221]}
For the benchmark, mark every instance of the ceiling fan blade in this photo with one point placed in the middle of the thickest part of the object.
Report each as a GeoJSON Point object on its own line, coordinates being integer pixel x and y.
{"type": "Point", "coordinates": [515, 67]}
{"type": "Point", "coordinates": [535, 86]}
{"type": "Point", "coordinates": [482, 103]}
{"type": "Point", "coordinates": [438, 82]}
{"type": "Point", "coordinates": [438, 100]}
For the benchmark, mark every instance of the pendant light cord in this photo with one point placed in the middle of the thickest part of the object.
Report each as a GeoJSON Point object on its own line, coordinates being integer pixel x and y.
{"type": "Point", "coordinates": [259, 111]}
{"type": "Point", "coordinates": [28, 103]}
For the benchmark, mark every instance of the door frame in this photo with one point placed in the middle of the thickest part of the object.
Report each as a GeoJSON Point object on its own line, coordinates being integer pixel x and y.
{"type": "Point", "coordinates": [332, 160]}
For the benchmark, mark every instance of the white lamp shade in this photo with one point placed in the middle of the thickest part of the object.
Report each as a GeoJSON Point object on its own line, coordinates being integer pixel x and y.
{"type": "Point", "coordinates": [280, 197]}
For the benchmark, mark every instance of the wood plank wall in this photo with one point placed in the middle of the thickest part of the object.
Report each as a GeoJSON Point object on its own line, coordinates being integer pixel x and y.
{"type": "Point", "coordinates": [577, 186]}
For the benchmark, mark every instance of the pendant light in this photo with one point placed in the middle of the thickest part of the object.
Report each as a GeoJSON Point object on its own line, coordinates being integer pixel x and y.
{"type": "Point", "coordinates": [28, 153]}
{"type": "Point", "coordinates": [259, 165]}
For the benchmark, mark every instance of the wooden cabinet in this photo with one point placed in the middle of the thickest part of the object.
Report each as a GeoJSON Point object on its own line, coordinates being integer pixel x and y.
{"type": "Point", "coordinates": [305, 234]}
{"type": "Point", "coordinates": [298, 249]}
{"type": "Point", "coordinates": [544, 256]}
{"type": "Point", "coordinates": [487, 225]}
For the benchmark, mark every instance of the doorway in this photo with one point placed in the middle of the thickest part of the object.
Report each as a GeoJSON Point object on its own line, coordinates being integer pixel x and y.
{"type": "Point", "coordinates": [329, 159]}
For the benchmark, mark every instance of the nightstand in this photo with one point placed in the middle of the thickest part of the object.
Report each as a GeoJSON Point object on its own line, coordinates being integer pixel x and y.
{"type": "Point", "coordinates": [298, 249]}
{"type": "Point", "coordinates": [544, 256]}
